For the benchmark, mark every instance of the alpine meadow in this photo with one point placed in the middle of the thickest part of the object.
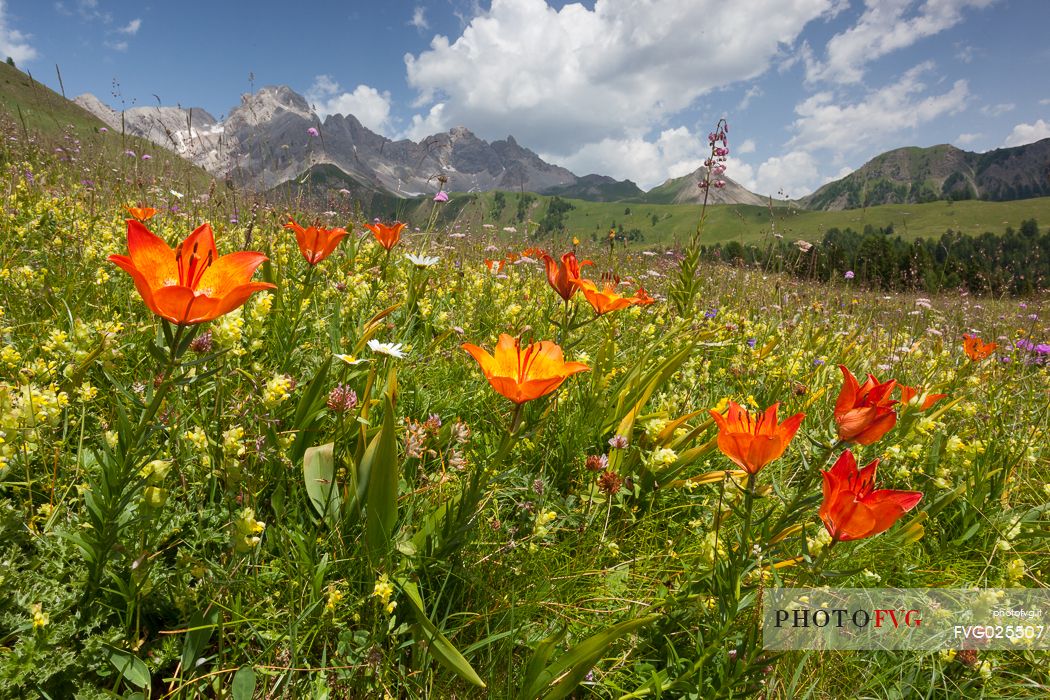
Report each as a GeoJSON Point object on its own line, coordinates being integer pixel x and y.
{"type": "Point", "coordinates": [293, 409]}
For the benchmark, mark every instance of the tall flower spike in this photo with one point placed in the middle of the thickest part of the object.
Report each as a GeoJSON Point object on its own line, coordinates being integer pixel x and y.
{"type": "Point", "coordinates": [752, 442]}
{"type": "Point", "coordinates": [524, 374]}
{"type": "Point", "coordinates": [191, 284]}
{"type": "Point", "coordinates": [388, 236]}
{"type": "Point", "coordinates": [316, 243]}
{"type": "Point", "coordinates": [864, 413]}
{"type": "Point", "coordinates": [852, 508]}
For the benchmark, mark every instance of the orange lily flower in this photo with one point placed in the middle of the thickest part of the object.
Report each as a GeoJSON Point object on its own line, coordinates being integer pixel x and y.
{"type": "Point", "coordinates": [754, 442]}
{"type": "Point", "coordinates": [642, 298]}
{"type": "Point", "coordinates": [524, 374]}
{"type": "Point", "coordinates": [864, 413]}
{"type": "Point", "coordinates": [910, 396]}
{"type": "Point", "coordinates": [316, 243]}
{"type": "Point", "coordinates": [141, 213]}
{"type": "Point", "coordinates": [607, 299]}
{"type": "Point", "coordinates": [852, 509]}
{"type": "Point", "coordinates": [564, 277]}
{"type": "Point", "coordinates": [190, 284]}
{"type": "Point", "coordinates": [976, 349]}
{"type": "Point", "coordinates": [494, 266]}
{"type": "Point", "coordinates": [388, 236]}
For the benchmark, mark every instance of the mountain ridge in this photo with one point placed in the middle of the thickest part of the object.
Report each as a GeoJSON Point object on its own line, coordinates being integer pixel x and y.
{"type": "Point", "coordinates": [268, 139]}
{"type": "Point", "coordinates": [913, 175]}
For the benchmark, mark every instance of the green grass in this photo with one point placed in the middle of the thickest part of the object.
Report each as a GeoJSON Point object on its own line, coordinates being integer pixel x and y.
{"type": "Point", "coordinates": [675, 223]}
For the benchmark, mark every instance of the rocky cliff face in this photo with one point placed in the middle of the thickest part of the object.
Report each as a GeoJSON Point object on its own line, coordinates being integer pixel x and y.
{"type": "Point", "coordinates": [265, 141]}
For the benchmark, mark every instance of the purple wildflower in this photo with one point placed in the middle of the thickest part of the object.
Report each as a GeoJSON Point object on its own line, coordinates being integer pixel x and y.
{"type": "Point", "coordinates": [441, 196]}
{"type": "Point", "coordinates": [849, 274]}
{"type": "Point", "coordinates": [312, 131]}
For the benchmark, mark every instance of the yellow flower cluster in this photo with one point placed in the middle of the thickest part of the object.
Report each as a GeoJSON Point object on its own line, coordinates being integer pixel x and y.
{"type": "Point", "coordinates": [247, 531]}
{"type": "Point", "coordinates": [277, 390]}
{"type": "Point", "coordinates": [383, 590]}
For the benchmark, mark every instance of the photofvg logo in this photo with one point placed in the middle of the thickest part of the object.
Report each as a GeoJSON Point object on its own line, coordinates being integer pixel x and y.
{"type": "Point", "coordinates": [844, 617]}
{"type": "Point", "coordinates": [905, 618]}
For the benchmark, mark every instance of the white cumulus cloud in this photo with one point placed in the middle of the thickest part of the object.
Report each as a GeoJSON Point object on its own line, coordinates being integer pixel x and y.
{"type": "Point", "coordinates": [579, 84]}
{"type": "Point", "coordinates": [1028, 133]}
{"type": "Point", "coordinates": [790, 175]}
{"type": "Point", "coordinates": [843, 128]}
{"type": "Point", "coordinates": [674, 153]}
{"type": "Point", "coordinates": [884, 27]}
{"type": "Point", "coordinates": [369, 105]}
{"type": "Point", "coordinates": [131, 28]}
{"type": "Point", "coordinates": [998, 110]}
{"type": "Point", "coordinates": [419, 19]}
{"type": "Point", "coordinates": [13, 43]}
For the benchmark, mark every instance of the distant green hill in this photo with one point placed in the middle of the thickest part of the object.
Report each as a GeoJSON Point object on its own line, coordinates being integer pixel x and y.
{"type": "Point", "coordinates": [598, 188]}
{"type": "Point", "coordinates": [646, 225]}
{"type": "Point", "coordinates": [917, 175]}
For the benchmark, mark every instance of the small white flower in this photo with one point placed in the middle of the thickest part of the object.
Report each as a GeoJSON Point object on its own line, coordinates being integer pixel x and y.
{"type": "Point", "coordinates": [392, 349]}
{"type": "Point", "coordinates": [422, 261]}
{"type": "Point", "coordinates": [177, 195]}
{"type": "Point", "coordinates": [350, 359]}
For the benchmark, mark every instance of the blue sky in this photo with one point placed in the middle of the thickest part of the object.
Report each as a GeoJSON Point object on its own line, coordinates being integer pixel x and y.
{"type": "Point", "coordinates": [811, 88]}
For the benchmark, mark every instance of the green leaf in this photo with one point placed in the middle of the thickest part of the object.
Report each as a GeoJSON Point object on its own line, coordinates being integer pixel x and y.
{"type": "Point", "coordinates": [442, 649]}
{"type": "Point", "coordinates": [130, 666]}
{"type": "Point", "coordinates": [380, 467]}
{"type": "Point", "coordinates": [202, 625]}
{"type": "Point", "coordinates": [541, 656]}
{"type": "Point", "coordinates": [572, 666]}
{"type": "Point", "coordinates": [319, 477]}
{"type": "Point", "coordinates": [311, 404]}
{"type": "Point", "coordinates": [243, 683]}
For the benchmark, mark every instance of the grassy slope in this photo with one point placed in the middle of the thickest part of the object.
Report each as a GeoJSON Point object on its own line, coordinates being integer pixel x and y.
{"type": "Point", "coordinates": [37, 109]}
{"type": "Point", "coordinates": [748, 224]}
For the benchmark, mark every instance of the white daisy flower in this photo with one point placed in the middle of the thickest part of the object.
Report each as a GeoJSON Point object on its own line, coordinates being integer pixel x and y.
{"type": "Point", "coordinates": [392, 349]}
{"type": "Point", "coordinates": [422, 261]}
{"type": "Point", "coordinates": [350, 359]}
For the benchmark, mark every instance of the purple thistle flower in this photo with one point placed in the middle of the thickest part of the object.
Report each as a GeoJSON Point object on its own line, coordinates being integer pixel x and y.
{"type": "Point", "coordinates": [849, 274]}
{"type": "Point", "coordinates": [441, 196]}
{"type": "Point", "coordinates": [312, 131]}
{"type": "Point", "coordinates": [147, 156]}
